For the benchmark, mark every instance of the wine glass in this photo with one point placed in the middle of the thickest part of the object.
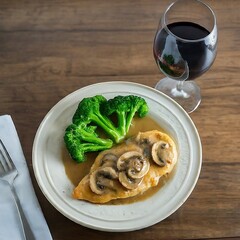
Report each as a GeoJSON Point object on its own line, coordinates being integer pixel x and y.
{"type": "Point", "coordinates": [185, 47]}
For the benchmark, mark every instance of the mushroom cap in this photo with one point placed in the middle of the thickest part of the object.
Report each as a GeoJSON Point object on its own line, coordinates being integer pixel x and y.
{"type": "Point", "coordinates": [125, 158]}
{"type": "Point", "coordinates": [138, 168]}
{"type": "Point", "coordinates": [109, 160]}
{"type": "Point", "coordinates": [132, 166]}
{"type": "Point", "coordinates": [134, 163]}
{"type": "Point", "coordinates": [162, 153]}
{"type": "Point", "coordinates": [128, 182]}
{"type": "Point", "coordinates": [101, 180]}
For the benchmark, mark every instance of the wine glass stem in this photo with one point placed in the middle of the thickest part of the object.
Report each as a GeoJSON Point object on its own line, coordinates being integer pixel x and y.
{"type": "Point", "coordinates": [180, 85]}
{"type": "Point", "coordinates": [179, 90]}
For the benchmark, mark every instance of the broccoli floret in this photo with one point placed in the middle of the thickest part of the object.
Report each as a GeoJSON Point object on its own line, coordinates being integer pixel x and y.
{"type": "Point", "coordinates": [80, 139]}
{"type": "Point", "coordinates": [125, 107]}
{"type": "Point", "coordinates": [88, 111]}
{"type": "Point", "coordinates": [81, 136]}
{"type": "Point", "coordinates": [120, 106]}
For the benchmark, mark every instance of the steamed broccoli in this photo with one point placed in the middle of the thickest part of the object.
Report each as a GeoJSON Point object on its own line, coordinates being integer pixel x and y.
{"type": "Point", "coordinates": [88, 111]}
{"type": "Point", "coordinates": [125, 107]}
{"type": "Point", "coordinates": [81, 138]}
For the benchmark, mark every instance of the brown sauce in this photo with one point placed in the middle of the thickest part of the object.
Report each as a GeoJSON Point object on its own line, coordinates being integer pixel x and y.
{"type": "Point", "coordinates": [76, 171]}
{"type": "Point", "coordinates": [141, 197]}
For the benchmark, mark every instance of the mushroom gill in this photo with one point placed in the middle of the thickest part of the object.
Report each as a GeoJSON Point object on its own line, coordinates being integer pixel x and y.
{"type": "Point", "coordinates": [129, 182]}
{"type": "Point", "coordinates": [109, 160]}
{"type": "Point", "coordinates": [132, 166]}
{"type": "Point", "coordinates": [101, 180]}
{"type": "Point", "coordinates": [161, 153]}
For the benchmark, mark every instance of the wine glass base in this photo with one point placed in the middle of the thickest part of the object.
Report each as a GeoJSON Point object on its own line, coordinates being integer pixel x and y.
{"type": "Point", "coordinates": [189, 97]}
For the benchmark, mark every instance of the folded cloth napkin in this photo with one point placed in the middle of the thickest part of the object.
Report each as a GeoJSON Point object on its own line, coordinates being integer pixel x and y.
{"type": "Point", "coordinates": [10, 227]}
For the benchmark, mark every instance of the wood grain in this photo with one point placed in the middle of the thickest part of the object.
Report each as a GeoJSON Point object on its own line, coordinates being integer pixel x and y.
{"type": "Point", "coordinates": [50, 48]}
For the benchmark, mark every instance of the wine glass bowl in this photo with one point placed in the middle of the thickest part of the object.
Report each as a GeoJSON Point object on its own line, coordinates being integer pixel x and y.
{"type": "Point", "coordinates": [184, 48]}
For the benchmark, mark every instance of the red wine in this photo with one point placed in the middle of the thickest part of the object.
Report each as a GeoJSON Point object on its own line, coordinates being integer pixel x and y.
{"type": "Point", "coordinates": [188, 30]}
{"type": "Point", "coordinates": [171, 51]}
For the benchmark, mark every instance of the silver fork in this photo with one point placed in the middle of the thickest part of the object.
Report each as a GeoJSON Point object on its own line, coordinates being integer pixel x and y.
{"type": "Point", "coordinates": [8, 172]}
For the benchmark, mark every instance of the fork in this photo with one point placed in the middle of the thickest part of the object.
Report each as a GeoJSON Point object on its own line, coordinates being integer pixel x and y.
{"type": "Point", "coordinates": [9, 172]}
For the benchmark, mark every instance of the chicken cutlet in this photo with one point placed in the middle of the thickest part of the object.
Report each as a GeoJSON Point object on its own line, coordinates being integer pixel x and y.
{"type": "Point", "coordinates": [128, 169]}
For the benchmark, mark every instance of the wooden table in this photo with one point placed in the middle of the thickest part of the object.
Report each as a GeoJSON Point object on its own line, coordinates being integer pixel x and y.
{"type": "Point", "coordinates": [48, 49]}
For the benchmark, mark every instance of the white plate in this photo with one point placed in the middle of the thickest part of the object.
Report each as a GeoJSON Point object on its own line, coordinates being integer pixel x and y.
{"type": "Point", "coordinates": [55, 185]}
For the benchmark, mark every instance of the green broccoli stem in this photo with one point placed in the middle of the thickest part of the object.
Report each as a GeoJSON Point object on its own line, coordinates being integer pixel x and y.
{"type": "Point", "coordinates": [91, 147]}
{"type": "Point", "coordinates": [130, 117]}
{"type": "Point", "coordinates": [89, 137]}
{"type": "Point", "coordinates": [121, 115]}
{"type": "Point", "coordinates": [78, 152]}
{"type": "Point", "coordinates": [107, 125]}
{"type": "Point", "coordinates": [77, 148]}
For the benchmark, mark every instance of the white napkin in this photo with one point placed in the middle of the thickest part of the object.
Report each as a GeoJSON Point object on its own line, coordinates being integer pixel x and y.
{"type": "Point", "coordinates": [10, 227]}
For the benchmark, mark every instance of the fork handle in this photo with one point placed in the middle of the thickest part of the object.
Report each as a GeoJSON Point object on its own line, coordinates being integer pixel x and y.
{"type": "Point", "coordinates": [26, 228]}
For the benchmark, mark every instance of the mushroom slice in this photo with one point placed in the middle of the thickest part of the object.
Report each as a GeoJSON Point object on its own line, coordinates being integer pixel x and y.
{"type": "Point", "coordinates": [161, 153]}
{"type": "Point", "coordinates": [101, 180]}
{"type": "Point", "coordinates": [132, 166]}
{"type": "Point", "coordinates": [138, 167]}
{"type": "Point", "coordinates": [109, 160]}
{"type": "Point", "coordinates": [124, 159]}
{"type": "Point", "coordinates": [134, 163]}
{"type": "Point", "coordinates": [128, 182]}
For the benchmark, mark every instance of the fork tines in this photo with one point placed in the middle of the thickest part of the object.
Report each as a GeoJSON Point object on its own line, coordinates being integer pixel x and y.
{"type": "Point", "coordinates": [6, 162]}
